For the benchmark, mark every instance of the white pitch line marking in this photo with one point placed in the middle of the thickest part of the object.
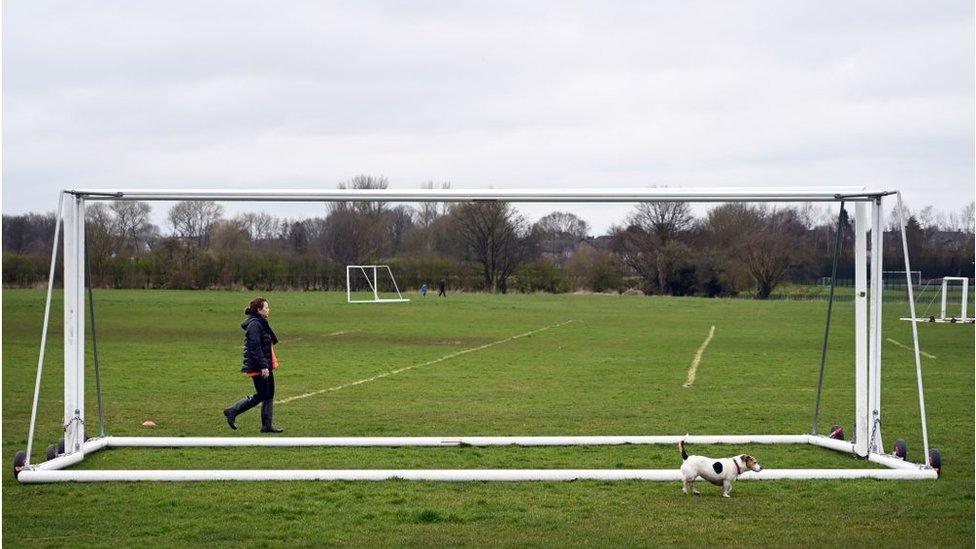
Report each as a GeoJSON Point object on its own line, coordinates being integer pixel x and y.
{"type": "Point", "coordinates": [333, 334]}
{"type": "Point", "coordinates": [923, 353]}
{"type": "Point", "coordinates": [428, 363]}
{"type": "Point", "coordinates": [693, 369]}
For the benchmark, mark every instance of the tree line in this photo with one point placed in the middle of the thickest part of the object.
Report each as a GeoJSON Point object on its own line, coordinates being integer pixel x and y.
{"type": "Point", "coordinates": [659, 248]}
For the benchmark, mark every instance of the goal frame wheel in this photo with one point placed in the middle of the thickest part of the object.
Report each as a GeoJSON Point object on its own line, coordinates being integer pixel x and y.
{"type": "Point", "coordinates": [20, 460]}
{"type": "Point", "coordinates": [900, 449]}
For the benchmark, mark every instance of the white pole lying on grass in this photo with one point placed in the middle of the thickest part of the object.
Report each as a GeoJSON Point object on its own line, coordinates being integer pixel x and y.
{"type": "Point", "coordinates": [452, 475]}
{"type": "Point", "coordinates": [182, 442]}
{"type": "Point", "coordinates": [893, 462]}
{"type": "Point", "coordinates": [845, 446]}
{"type": "Point", "coordinates": [53, 470]}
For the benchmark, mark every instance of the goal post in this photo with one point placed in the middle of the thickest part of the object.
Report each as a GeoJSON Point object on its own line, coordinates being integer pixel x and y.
{"type": "Point", "coordinates": [866, 359]}
{"type": "Point", "coordinates": [963, 317]}
{"type": "Point", "coordinates": [372, 284]}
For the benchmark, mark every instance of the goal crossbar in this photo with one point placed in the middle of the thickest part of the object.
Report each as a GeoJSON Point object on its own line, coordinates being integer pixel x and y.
{"type": "Point", "coordinates": [866, 442]}
{"type": "Point", "coordinates": [653, 194]}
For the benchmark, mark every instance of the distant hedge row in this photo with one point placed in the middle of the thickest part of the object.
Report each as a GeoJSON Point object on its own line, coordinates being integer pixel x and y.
{"type": "Point", "coordinates": [196, 269]}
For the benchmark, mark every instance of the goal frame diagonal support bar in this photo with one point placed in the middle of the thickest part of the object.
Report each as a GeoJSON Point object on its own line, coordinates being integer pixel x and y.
{"type": "Point", "coordinates": [867, 354]}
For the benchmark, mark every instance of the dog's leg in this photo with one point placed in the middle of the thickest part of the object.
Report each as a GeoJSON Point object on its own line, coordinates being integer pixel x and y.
{"type": "Point", "coordinates": [727, 489]}
{"type": "Point", "coordinates": [685, 485]}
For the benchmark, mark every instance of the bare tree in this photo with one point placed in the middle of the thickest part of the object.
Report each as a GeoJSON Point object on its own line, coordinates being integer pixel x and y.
{"type": "Point", "coordinates": [399, 221]}
{"type": "Point", "coordinates": [132, 227]}
{"type": "Point", "coordinates": [262, 226]}
{"type": "Point", "coordinates": [638, 250]}
{"type": "Point", "coordinates": [194, 220]}
{"type": "Point", "coordinates": [350, 237]}
{"type": "Point", "coordinates": [561, 224]}
{"type": "Point", "coordinates": [428, 212]}
{"type": "Point", "coordinates": [99, 240]}
{"type": "Point", "coordinates": [774, 248]}
{"type": "Point", "coordinates": [362, 182]}
{"type": "Point", "coordinates": [30, 234]}
{"type": "Point", "coordinates": [723, 235]}
{"type": "Point", "coordinates": [963, 220]}
{"type": "Point", "coordinates": [664, 220]}
{"type": "Point", "coordinates": [593, 269]}
{"type": "Point", "coordinates": [495, 235]}
{"type": "Point", "coordinates": [651, 229]}
{"type": "Point", "coordinates": [727, 226]}
{"type": "Point", "coordinates": [299, 235]}
{"type": "Point", "coordinates": [230, 237]}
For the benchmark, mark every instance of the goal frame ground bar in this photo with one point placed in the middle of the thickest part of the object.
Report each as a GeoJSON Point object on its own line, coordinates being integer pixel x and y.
{"type": "Point", "coordinates": [55, 470]}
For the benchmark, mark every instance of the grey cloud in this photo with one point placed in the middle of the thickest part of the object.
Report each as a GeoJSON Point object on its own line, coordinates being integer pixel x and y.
{"type": "Point", "coordinates": [494, 94]}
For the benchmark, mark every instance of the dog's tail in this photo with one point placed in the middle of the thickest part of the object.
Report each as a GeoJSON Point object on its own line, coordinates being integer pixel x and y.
{"type": "Point", "coordinates": [681, 447]}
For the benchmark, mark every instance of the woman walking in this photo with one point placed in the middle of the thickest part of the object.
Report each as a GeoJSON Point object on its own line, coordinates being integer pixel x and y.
{"type": "Point", "coordinates": [259, 365]}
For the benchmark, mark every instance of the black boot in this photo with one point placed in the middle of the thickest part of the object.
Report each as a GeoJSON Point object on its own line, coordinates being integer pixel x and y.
{"type": "Point", "coordinates": [267, 412]}
{"type": "Point", "coordinates": [239, 407]}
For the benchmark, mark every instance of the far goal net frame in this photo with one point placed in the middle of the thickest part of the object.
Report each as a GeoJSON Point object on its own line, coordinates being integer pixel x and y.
{"type": "Point", "coordinates": [944, 306]}
{"type": "Point", "coordinates": [374, 284]}
{"type": "Point", "coordinates": [866, 358]}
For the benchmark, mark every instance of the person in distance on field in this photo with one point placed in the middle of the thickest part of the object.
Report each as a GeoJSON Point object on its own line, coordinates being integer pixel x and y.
{"type": "Point", "coordinates": [423, 289]}
{"type": "Point", "coordinates": [259, 364]}
{"type": "Point", "coordinates": [441, 288]}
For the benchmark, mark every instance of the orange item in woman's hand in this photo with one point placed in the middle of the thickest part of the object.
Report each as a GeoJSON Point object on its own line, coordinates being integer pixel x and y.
{"type": "Point", "coordinates": [274, 359]}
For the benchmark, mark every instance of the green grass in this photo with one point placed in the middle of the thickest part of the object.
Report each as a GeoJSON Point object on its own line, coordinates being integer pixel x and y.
{"type": "Point", "coordinates": [173, 357]}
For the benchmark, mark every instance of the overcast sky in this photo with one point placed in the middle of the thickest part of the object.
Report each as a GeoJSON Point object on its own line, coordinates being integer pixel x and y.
{"type": "Point", "coordinates": [509, 95]}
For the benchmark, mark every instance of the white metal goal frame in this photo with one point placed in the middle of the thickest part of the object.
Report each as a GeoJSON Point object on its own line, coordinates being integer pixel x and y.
{"type": "Point", "coordinates": [866, 442]}
{"type": "Point", "coordinates": [374, 286]}
{"type": "Point", "coordinates": [944, 317]}
{"type": "Point", "coordinates": [916, 276]}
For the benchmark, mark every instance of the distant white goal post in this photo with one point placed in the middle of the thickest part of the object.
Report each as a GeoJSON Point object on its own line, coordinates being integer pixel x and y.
{"type": "Point", "coordinates": [945, 316]}
{"type": "Point", "coordinates": [865, 359]}
{"type": "Point", "coordinates": [372, 276]}
{"type": "Point", "coordinates": [898, 277]}
{"type": "Point", "coordinates": [963, 317]}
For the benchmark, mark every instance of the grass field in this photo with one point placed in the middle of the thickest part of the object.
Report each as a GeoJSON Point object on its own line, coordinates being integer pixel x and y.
{"type": "Point", "coordinates": [616, 368]}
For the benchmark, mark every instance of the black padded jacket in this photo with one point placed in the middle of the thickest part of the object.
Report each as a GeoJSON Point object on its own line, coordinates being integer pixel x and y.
{"type": "Point", "coordinates": [257, 344]}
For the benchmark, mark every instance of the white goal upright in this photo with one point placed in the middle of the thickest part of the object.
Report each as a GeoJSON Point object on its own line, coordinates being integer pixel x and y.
{"type": "Point", "coordinates": [372, 284]}
{"type": "Point", "coordinates": [865, 362]}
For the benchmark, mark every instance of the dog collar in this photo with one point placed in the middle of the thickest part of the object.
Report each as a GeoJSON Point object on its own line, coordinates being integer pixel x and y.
{"type": "Point", "coordinates": [738, 471]}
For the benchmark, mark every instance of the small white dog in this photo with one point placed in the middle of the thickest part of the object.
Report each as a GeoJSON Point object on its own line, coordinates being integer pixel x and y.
{"type": "Point", "coordinates": [720, 472]}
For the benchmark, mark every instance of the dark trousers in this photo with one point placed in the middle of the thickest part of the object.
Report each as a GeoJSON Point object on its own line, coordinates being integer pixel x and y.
{"type": "Point", "coordinates": [264, 395]}
{"type": "Point", "coordinates": [264, 387]}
